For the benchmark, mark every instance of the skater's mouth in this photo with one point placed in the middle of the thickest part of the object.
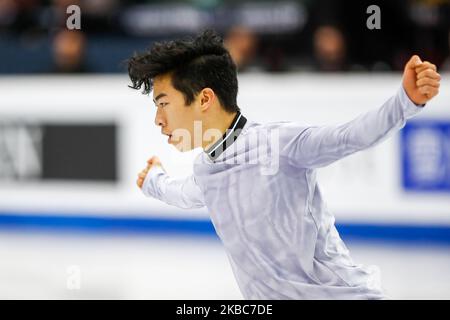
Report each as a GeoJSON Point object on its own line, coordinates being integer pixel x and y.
{"type": "Point", "coordinates": [169, 135]}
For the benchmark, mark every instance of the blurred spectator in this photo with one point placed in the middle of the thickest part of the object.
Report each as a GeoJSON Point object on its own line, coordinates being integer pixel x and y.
{"type": "Point", "coordinates": [329, 49]}
{"type": "Point", "coordinates": [18, 16]}
{"type": "Point", "coordinates": [8, 12]}
{"type": "Point", "coordinates": [69, 52]}
{"type": "Point", "coordinates": [242, 43]}
{"type": "Point", "coordinates": [446, 65]}
{"type": "Point", "coordinates": [431, 20]}
{"type": "Point", "coordinates": [100, 16]}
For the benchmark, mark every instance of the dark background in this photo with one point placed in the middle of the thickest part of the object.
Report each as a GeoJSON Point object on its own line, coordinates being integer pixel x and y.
{"type": "Point", "coordinates": [113, 31]}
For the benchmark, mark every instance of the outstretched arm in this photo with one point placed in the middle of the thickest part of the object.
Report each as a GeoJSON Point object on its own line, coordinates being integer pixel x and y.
{"type": "Point", "coordinates": [314, 147]}
{"type": "Point", "coordinates": [180, 192]}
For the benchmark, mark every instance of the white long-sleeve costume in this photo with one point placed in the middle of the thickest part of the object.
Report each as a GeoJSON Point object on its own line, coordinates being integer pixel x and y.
{"type": "Point", "coordinates": [268, 210]}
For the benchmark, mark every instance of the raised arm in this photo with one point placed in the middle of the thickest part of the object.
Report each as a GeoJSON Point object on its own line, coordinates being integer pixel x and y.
{"type": "Point", "coordinates": [313, 147]}
{"type": "Point", "coordinates": [180, 192]}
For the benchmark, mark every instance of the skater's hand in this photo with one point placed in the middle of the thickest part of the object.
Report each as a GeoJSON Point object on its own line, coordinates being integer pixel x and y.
{"type": "Point", "coordinates": [420, 80]}
{"type": "Point", "coordinates": [153, 161]}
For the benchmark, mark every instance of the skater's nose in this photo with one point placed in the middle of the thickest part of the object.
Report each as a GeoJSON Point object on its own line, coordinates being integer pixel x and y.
{"type": "Point", "coordinates": [159, 118]}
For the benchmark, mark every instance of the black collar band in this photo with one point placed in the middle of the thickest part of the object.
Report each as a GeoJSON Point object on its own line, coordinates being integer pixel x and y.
{"type": "Point", "coordinates": [228, 137]}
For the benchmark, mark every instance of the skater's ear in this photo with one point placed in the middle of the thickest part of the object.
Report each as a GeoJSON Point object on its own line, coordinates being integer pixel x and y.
{"type": "Point", "coordinates": [206, 98]}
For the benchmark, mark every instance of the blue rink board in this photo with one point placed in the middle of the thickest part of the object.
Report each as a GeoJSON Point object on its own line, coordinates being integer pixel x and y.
{"type": "Point", "coordinates": [424, 234]}
{"type": "Point", "coordinates": [425, 156]}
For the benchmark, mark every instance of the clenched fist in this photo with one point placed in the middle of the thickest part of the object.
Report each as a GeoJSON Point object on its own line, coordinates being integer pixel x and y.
{"type": "Point", "coordinates": [153, 161]}
{"type": "Point", "coordinates": [420, 80]}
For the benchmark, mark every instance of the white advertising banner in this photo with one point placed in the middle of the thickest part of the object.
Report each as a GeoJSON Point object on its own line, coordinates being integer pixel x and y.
{"type": "Point", "coordinates": [385, 184]}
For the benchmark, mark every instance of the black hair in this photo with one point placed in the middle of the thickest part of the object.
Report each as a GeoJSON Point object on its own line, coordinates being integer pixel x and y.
{"type": "Point", "coordinates": [194, 64]}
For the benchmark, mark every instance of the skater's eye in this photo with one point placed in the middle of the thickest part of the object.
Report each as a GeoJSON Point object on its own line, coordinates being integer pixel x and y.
{"type": "Point", "coordinates": [162, 104]}
{"type": "Point", "coordinates": [159, 96]}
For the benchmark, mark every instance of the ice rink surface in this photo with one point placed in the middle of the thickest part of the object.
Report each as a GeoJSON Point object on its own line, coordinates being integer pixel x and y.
{"type": "Point", "coordinates": [55, 265]}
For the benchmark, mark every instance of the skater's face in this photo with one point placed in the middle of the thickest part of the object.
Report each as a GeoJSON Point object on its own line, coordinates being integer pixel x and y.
{"type": "Point", "coordinates": [176, 119]}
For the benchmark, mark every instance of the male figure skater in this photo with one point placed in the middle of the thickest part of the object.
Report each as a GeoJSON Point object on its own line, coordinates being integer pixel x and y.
{"type": "Point", "coordinates": [275, 227]}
